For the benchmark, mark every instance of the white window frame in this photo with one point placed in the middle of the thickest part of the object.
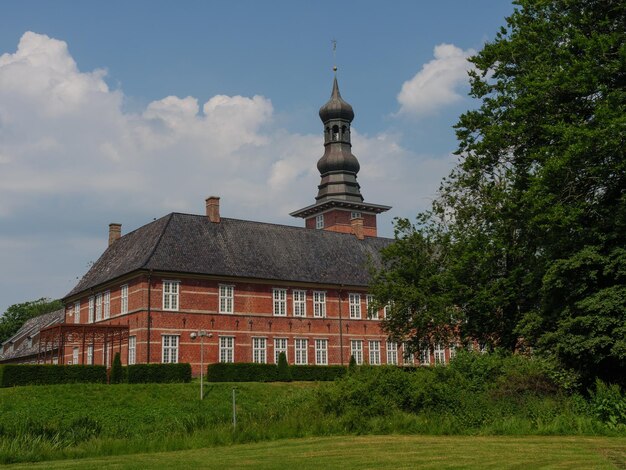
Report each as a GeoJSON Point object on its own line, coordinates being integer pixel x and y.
{"type": "Point", "coordinates": [356, 350]}
{"type": "Point", "coordinates": [98, 307]}
{"type": "Point", "coordinates": [319, 304]}
{"type": "Point", "coordinates": [124, 299]}
{"type": "Point", "coordinates": [301, 349]}
{"type": "Point", "coordinates": [319, 221]}
{"type": "Point", "coordinates": [77, 311]}
{"type": "Point", "coordinates": [392, 353]}
{"type": "Point", "coordinates": [259, 350]}
{"type": "Point", "coordinates": [452, 347]}
{"type": "Point", "coordinates": [299, 303]}
{"type": "Point", "coordinates": [91, 309]}
{"type": "Point", "coordinates": [75, 351]}
{"type": "Point", "coordinates": [355, 215]}
{"type": "Point", "coordinates": [169, 349]}
{"type": "Point", "coordinates": [281, 345]}
{"type": "Point", "coordinates": [372, 313]}
{"type": "Point", "coordinates": [279, 297]}
{"type": "Point", "coordinates": [354, 300]}
{"type": "Point", "coordinates": [90, 354]}
{"type": "Point", "coordinates": [386, 309]}
{"type": "Point", "coordinates": [321, 352]}
{"type": "Point", "coordinates": [106, 305]}
{"type": "Point", "coordinates": [171, 294]}
{"type": "Point", "coordinates": [425, 357]}
{"type": "Point", "coordinates": [227, 349]}
{"type": "Point", "coordinates": [440, 354]}
{"type": "Point", "coordinates": [226, 298]}
{"type": "Point", "coordinates": [132, 350]}
{"type": "Point", "coordinates": [407, 357]}
{"type": "Point", "coordinates": [374, 352]}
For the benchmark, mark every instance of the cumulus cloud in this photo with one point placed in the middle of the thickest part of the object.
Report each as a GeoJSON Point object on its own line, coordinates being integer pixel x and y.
{"type": "Point", "coordinates": [437, 84]}
{"type": "Point", "coordinates": [72, 160]}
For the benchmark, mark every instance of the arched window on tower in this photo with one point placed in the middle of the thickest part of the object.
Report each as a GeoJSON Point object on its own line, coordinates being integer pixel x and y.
{"type": "Point", "coordinates": [335, 132]}
{"type": "Point", "coordinates": [343, 132]}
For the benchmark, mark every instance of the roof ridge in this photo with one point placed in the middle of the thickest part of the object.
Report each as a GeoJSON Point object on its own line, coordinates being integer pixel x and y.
{"type": "Point", "coordinates": [156, 245]}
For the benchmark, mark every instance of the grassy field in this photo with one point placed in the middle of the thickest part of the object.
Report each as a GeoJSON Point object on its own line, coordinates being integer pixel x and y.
{"type": "Point", "coordinates": [391, 452]}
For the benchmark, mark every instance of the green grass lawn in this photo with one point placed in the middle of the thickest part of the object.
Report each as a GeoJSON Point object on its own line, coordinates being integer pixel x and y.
{"type": "Point", "coordinates": [392, 452]}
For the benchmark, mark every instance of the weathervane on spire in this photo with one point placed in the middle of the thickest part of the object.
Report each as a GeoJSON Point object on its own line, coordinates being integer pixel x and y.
{"type": "Point", "coordinates": [334, 42]}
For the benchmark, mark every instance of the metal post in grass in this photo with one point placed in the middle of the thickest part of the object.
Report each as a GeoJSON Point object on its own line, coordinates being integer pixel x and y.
{"type": "Point", "coordinates": [202, 334]}
{"type": "Point", "coordinates": [234, 410]}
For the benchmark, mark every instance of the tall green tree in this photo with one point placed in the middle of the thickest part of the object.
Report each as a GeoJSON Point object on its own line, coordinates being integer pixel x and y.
{"type": "Point", "coordinates": [16, 315]}
{"type": "Point", "coordinates": [532, 220]}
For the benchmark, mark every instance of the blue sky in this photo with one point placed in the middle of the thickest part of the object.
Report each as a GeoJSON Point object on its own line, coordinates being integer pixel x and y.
{"type": "Point", "coordinates": [126, 111]}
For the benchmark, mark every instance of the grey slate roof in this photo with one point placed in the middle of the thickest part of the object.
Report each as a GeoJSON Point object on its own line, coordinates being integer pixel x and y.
{"type": "Point", "coordinates": [31, 328]}
{"type": "Point", "coordinates": [184, 243]}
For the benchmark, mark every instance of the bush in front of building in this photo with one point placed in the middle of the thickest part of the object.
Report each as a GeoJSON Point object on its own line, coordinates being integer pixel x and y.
{"type": "Point", "coordinates": [242, 372]}
{"type": "Point", "coordinates": [252, 372]}
{"type": "Point", "coordinates": [118, 373]}
{"type": "Point", "coordinates": [284, 373]}
{"type": "Point", "coordinates": [12, 375]}
{"type": "Point", "coordinates": [158, 373]}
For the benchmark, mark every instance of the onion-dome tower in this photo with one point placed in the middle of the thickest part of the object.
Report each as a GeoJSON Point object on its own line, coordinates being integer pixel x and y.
{"type": "Point", "coordinates": [339, 204]}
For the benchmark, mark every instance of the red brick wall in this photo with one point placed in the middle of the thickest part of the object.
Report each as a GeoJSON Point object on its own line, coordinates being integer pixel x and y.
{"type": "Point", "coordinates": [253, 317]}
{"type": "Point", "coordinates": [338, 220]}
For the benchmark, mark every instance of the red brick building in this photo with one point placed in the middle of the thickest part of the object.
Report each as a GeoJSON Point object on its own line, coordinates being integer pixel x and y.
{"type": "Point", "coordinates": [259, 289]}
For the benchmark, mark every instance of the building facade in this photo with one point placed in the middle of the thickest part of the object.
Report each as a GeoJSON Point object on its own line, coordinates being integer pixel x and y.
{"type": "Point", "coordinates": [258, 289]}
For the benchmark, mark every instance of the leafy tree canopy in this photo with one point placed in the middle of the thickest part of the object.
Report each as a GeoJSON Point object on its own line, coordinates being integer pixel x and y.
{"type": "Point", "coordinates": [17, 314]}
{"type": "Point", "coordinates": [530, 227]}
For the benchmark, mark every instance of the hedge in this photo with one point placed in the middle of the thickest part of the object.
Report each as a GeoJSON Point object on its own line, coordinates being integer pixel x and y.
{"type": "Point", "coordinates": [159, 373]}
{"type": "Point", "coordinates": [252, 372]}
{"type": "Point", "coordinates": [12, 375]}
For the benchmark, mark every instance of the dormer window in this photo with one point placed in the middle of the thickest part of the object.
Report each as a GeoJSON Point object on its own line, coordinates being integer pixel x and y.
{"type": "Point", "coordinates": [355, 215]}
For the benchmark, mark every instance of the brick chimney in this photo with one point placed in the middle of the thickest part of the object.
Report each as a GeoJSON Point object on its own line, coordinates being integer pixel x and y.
{"type": "Point", "coordinates": [213, 209]}
{"type": "Point", "coordinates": [357, 227]}
{"type": "Point", "coordinates": [115, 232]}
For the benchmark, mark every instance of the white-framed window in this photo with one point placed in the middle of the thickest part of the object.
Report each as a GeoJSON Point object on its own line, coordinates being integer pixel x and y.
{"type": "Point", "coordinates": [452, 347]}
{"type": "Point", "coordinates": [440, 354]}
{"type": "Point", "coordinates": [170, 295]}
{"type": "Point", "coordinates": [386, 310]}
{"type": "Point", "coordinates": [392, 353]}
{"type": "Point", "coordinates": [124, 299]}
{"type": "Point", "coordinates": [77, 312]}
{"type": "Point", "coordinates": [132, 350]}
{"type": "Point", "coordinates": [319, 221]}
{"type": "Point", "coordinates": [75, 355]}
{"type": "Point", "coordinates": [425, 357]}
{"type": "Point", "coordinates": [259, 350]}
{"type": "Point", "coordinates": [374, 353]}
{"type": "Point", "coordinates": [91, 309]}
{"type": "Point", "coordinates": [319, 304]}
{"type": "Point", "coordinates": [227, 349]}
{"type": "Point", "coordinates": [226, 298]}
{"type": "Point", "coordinates": [90, 354]}
{"type": "Point", "coordinates": [280, 346]}
{"type": "Point", "coordinates": [106, 311]}
{"type": "Point", "coordinates": [321, 352]}
{"type": "Point", "coordinates": [55, 360]}
{"type": "Point", "coordinates": [355, 305]}
{"type": "Point", "coordinates": [170, 348]}
{"type": "Point", "coordinates": [301, 349]}
{"type": "Point", "coordinates": [356, 350]}
{"type": "Point", "coordinates": [407, 357]}
{"type": "Point", "coordinates": [98, 307]}
{"type": "Point", "coordinates": [280, 302]}
{"type": "Point", "coordinates": [355, 215]}
{"type": "Point", "coordinates": [299, 303]}
{"type": "Point", "coordinates": [372, 313]}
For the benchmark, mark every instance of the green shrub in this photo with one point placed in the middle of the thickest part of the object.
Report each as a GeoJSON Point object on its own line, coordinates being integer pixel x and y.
{"type": "Point", "coordinates": [352, 364]}
{"type": "Point", "coordinates": [608, 404]}
{"type": "Point", "coordinates": [117, 371]}
{"type": "Point", "coordinates": [12, 375]}
{"type": "Point", "coordinates": [283, 373]}
{"type": "Point", "coordinates": [159, 373]}
{"type": "Point", "coordinates": [302, 373]}
{"type": "Point", "coordinates": [242, 372]}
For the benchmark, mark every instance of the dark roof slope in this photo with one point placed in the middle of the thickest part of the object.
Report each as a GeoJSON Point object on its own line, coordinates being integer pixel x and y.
{"type": "Point", "coordinates": [31, 327]}
{"type": "Point", "coordinates": [240, 248]}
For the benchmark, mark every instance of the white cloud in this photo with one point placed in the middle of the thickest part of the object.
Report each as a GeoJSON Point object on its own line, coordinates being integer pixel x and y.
{"type": "Point", "coordinates": [437, 84]}
{"type": "Point", "coordinates": [72, 160]}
